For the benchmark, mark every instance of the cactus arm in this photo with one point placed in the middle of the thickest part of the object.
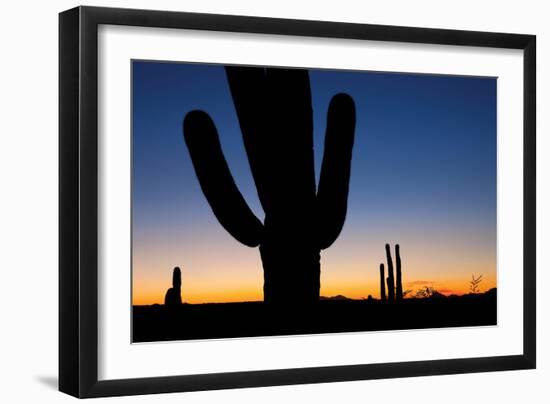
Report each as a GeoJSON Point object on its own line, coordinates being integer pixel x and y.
{"type": "Point", "coordinates": [332, 194]}
{"type": "Point", "coordinates": [216, 180]}
{"type": "Point", "coordinates": [176, 278]}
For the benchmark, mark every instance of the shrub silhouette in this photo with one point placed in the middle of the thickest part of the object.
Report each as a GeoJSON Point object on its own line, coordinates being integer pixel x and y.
{"type": "Point", "coordinates": [275, 115]}
{"type": "Point", "coordinates": [395, 285]}
{"type": "Point", "coordinates": [173, 295]}
{"type": "Point", "coordinates": [428, 292]}
{"type": "Point", "coordinates": [474, 283]}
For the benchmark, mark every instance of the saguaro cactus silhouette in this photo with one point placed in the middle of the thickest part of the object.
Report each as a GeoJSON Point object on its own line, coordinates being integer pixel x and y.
{"type": "Point", "coordinates": [275, 115]}
{"type": "Point", "coordinates": [390, 279]}
{"type": "Point", "coordinates": [398, 280]}
{"type": "Point", "coordinates": [395, 286]}
{"type": "Point", "coordinates": [382, 283]}
{"type": "Point", "coordinates": [173, 295]}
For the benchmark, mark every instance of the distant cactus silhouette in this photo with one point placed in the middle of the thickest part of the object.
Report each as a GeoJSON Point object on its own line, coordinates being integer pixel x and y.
{"type": "Point", "coordinates": [390, 279]}
{"type": "Point", "coordinates": [275, 114]}
{"type": "Point", "coordinates": [382, 283]}
{"type": "Point", "coordinates": [395, 285]}
{"type": "Point", "coordinates": [398, 280]}
{"type": "Point", "coordinates": [173, 295]}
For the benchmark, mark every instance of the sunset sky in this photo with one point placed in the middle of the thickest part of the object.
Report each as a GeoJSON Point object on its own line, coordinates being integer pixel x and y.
{"type": "Point", "coordinates": [423, 175]}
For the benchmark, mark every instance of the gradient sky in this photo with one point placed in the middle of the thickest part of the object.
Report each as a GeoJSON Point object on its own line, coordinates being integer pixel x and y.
{"type": "Point", "coordinates": [423, 175]}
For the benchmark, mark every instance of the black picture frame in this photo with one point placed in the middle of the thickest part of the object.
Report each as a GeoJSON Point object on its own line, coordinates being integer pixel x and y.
{"type": "Point", "coordinates": [78, 201]}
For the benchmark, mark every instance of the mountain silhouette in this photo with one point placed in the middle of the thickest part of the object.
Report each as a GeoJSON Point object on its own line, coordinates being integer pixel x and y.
{"type": "Point", "coordinates": [337, 297]}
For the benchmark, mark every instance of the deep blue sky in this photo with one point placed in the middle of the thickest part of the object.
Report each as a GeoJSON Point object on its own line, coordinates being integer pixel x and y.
{"type": "Point", "coordinates": [424, 163]}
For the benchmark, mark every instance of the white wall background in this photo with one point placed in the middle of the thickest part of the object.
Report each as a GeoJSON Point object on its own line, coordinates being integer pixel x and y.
{"type": "Point", "coordinates": [28, 202]}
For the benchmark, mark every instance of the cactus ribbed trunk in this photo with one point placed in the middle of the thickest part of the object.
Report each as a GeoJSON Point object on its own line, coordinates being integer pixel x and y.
{"type": "Point", "coordinates": [291, 275]}
{"type": "Point", "coordinates": [291, 260]}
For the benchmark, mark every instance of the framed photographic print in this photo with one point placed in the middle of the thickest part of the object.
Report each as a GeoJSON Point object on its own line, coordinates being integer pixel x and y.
{"type": "Point", "coordinates": [251, 201]}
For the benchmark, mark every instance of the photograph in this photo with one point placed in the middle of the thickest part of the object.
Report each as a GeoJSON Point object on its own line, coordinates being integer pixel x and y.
{"type": "Point", "coordinates": [282, 200]}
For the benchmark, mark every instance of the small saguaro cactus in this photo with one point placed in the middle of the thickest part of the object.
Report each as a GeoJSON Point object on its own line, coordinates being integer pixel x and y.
{"type": "Point", "coordinates": [275, 115]}
{"type": "Point", "coordinates": [173, 295]}
{"type": "Point", "coordinates": [395, 285]}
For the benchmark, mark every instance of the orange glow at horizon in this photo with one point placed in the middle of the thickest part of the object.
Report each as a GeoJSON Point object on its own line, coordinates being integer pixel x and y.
{"type": "Point", "coordinates": [233, 273]}
{"type": "Point", "coordinates": [153, 292]}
